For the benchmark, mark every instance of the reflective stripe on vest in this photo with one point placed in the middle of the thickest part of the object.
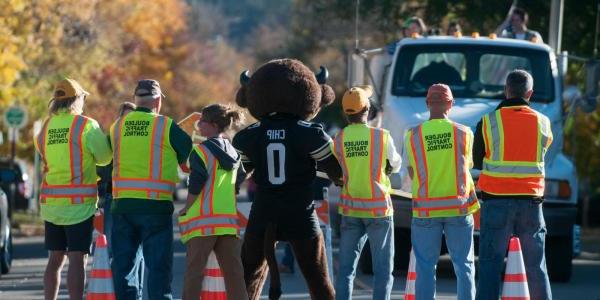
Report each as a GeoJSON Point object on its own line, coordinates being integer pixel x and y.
{"type": "Point", "coordinates": [424, 209]}
{"type": "Point", "coordinates": [158, 132]}
{"type": "Point", "coordinates": [41, 141]}
{"type": "Point", "coordinates": [514, 168]}
{"type": "Point", "coordinates": [117, 147]}
{"type": "Point", "coordinates": [208, 223]}
{"type": "Point", "coordinates": [538, 169]}
{"type": "Point", "coordinates": [379, 202]}
{"type": "Point", "coordinates": [153, 184]}
{"type": "Point", "coordinates": [69, 191]}
{"type": "Point", "coordinates": [464, 201]}
{"type": "Point", "coordinates": [418, 151]}
{"type": "Point", "coordinates": [206, 195]}
{"type": "Point", "coordinates": [77, 191]}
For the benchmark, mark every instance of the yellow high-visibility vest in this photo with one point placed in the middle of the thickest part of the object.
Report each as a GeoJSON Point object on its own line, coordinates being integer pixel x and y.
{"type": "Point", "coordinates": [214, 212]}
{"type": "Point", "coordinates": [516, 140]}
{"type": "Point", "coordinates": [68, 193]}
{"type": "Point", "coordinates": [361, 152]}
{"type": "Point", "coordinates": [439, 154]}
{"type": "Point", "coordinates": [144, 163]}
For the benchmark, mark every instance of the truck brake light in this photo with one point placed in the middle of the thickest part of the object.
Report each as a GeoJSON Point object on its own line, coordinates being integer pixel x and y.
{"type": "Point", "coordinates": [564, 189]}
{"type": "Point", "coordinates": [557, 189]}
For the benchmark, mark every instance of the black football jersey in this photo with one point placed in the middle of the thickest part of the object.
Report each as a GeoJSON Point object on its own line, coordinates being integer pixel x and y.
{"type": "Point", "coordinates": [283, 150]}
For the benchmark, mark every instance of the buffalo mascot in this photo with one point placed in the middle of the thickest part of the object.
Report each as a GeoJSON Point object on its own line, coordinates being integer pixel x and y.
{"type": "Point", "coordinates": [284, 150]}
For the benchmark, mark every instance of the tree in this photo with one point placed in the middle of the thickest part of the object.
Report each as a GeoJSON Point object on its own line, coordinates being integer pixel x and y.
{"type": "Point", "coordinates": [107, 46]}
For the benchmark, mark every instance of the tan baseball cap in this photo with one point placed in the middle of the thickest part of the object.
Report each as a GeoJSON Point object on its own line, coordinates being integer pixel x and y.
{"type": "Point", "coordinates": [356, 99]}
{"type": "Point", "coordinates": [68, 88]}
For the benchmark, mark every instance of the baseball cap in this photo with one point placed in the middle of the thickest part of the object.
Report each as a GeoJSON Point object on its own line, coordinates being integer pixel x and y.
{"type": "Point", "coordinates": [148, 89]}
{"type": "Point", "coordinates": [356, 99]}
{"type": "Point", "coordinates": [439, 93]}
{"type": "Point", "coordinates": [68, 88]}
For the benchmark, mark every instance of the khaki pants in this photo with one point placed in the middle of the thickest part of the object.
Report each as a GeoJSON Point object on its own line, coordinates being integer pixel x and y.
{"type": "Point", "coordinates": [228, 249]}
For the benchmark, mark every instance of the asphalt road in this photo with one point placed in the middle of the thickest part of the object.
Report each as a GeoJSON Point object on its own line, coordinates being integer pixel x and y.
{"type": "Point", "coordinates": [25, 279]}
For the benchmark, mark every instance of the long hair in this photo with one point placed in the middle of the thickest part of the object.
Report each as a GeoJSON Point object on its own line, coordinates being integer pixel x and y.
{"type": "Point", "coordinates": [73, 105]}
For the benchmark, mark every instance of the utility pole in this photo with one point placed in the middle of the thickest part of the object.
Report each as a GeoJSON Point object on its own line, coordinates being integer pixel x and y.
{"type": "Point", "coordinates": [556, 24]}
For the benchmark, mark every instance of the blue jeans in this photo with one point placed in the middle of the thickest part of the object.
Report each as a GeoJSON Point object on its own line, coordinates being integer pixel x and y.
{"type": "Point", "coordinates": [426, 237]}
{"type": "Point", "coordinates": [154, 233]}
{"type": "Point", "coordinates": [354, 233]}
{"type": "Point", "coordinates": [501, 219]}
{"type": "Point", "coordinates": [137, 278]}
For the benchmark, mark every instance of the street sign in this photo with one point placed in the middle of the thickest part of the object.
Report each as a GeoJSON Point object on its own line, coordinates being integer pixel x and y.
{"type": "Point", "coordinates": [15, 117]}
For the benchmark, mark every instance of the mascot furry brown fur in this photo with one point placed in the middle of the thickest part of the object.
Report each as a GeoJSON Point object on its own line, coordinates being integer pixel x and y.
{"type": "Point", "coordinates": [287, 94]}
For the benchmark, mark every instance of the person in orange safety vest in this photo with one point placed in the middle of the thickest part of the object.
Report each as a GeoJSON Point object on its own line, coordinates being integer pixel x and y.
{"type": "Point", "coordinates": [509, 148]}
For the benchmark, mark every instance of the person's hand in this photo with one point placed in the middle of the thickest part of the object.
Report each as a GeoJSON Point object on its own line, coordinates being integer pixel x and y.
{"type": "Point", "coordinates": [338, 182]}
{"type": "Point", "coordinates": [183, 211]}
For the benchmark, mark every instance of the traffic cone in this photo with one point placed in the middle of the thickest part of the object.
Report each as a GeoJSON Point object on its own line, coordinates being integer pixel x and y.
{"type": "Point", "coordinates": [100, 283]}
{"type": "Point", "coordinates": [409, 292]}
{"type": "Point", "coordinates": [515, 279]}
{"type": "Point", "coordinates": [213, 284]}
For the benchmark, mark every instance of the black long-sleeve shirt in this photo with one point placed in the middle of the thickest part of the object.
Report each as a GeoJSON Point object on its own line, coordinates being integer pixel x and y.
{"type": "Point", "coordinates": [479, 150]}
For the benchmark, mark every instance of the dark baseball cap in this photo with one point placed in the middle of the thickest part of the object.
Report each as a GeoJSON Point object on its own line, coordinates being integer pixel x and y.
{"type": "Point", "coordinates": [148, 89]}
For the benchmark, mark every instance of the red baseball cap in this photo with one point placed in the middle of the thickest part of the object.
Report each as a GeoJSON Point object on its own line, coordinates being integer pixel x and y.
{"type": "Point", "coordinates": [439, 93]}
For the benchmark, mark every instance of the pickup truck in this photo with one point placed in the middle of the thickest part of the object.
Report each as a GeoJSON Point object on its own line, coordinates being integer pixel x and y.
{"type": "Point", "coordinates": [475, 68]}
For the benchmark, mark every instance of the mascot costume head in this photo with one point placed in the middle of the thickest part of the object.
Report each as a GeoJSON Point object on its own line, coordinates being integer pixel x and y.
{"type": "Point", "coordinates": [284, 86]}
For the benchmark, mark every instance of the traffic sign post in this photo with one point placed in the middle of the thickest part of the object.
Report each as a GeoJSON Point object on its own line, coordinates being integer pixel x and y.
{"type": "Point", "coordinates": [15, 117]}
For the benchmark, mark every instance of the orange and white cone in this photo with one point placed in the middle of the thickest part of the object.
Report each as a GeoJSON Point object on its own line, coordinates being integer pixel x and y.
{"type": "Point", "coordinates": [213, 284]}
{"type": "Point", "coordinates": [409, 292]}
{"type": "Point", "coordinates": [515, 279]}
{"type": "Point", "coordinates": [100, 284]}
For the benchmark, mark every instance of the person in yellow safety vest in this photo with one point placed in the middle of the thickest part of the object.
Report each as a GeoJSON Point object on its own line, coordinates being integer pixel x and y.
{"type": "Point", "coordinates": [367, 156]}
{"type": "Point", "coordinates": [509, 149]}
{"type": "Point", "coordinates": [443, 194]}
{"type": "Point", "coordinates": [147, 148]}
{"type": "Point", "coordinates": [209, 220]}
{"type": "Point", "coordinates": [71, 145]}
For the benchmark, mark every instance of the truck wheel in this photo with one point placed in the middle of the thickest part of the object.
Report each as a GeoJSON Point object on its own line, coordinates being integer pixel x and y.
{"type": "Point", "coordinates": [559, 255]}
{"type": "Point", "coordinates": [6, 252]}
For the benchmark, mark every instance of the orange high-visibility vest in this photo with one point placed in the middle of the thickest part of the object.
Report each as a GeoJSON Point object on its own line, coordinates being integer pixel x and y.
{"type": "Point", "coordinates": [360, 150]}
{"type": "Point", "coordinates": [439, 153]}
{"type": "Point", "coordinates": [516, 140]}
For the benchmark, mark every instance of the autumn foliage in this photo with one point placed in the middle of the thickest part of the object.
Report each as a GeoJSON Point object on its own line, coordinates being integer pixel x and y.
{"type": "Point", "coordinates": [107, 46]}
